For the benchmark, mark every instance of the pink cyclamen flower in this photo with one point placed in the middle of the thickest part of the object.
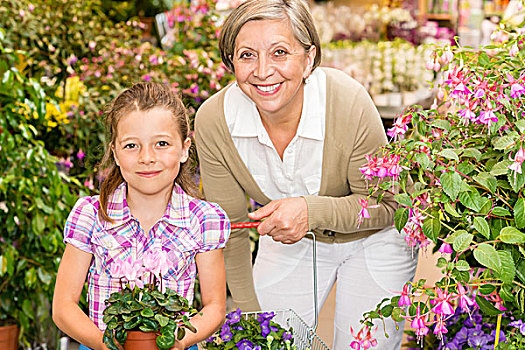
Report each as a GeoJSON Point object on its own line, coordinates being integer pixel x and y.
{"type": "Point", "coordinates": [404, 300]}
{"type": "Point", "coordinates": [442, 303]}
{"type": "Point", "coordinates": [517, 160]}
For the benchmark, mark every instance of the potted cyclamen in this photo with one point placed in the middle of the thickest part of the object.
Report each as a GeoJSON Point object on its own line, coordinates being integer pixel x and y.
{"type": "Point", "coordinates": [457, 173]}
{"type": "Point", "coordinates": [145, 314]}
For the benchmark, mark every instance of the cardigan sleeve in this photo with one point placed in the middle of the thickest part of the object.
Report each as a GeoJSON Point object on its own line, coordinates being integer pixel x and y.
{"type": "Point", "coordinates": [221, 187]}
{"type": "Point", "coordinates": [340, 214]}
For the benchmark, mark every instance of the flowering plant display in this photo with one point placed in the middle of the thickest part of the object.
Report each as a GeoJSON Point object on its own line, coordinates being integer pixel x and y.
{"type": "Point", "coordinates": [144, 303]}
{"type": "Point", "coordinates": [456, 172]}
{"type": "Point", "coordinates": [251, 332]}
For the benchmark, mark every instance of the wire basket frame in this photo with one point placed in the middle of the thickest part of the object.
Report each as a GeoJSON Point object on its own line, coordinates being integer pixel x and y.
{"type": "Point", "coordinates": [304, 336]}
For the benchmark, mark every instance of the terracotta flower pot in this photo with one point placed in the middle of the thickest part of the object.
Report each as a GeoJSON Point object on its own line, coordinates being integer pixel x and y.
{"type": "Point", "coordinates": [138, 340]}
{"type": "Point", "coordinates": [9, 337]}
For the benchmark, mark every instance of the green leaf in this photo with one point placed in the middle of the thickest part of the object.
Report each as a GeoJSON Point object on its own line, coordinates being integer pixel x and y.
{"type": "Point", "coordinates": [403, 199]}
{"type": "Point", "coordinates": [147, 312]}
{"type": "Point", "coordinates": [462, 265]}
{"type": "Point", "coordinates": [162, 320]}
{"type": "Point", "coordinates": [462, 242]}
{"type": "Point", "coordinates": [472, 153]}
{"type": "Point", "coordinates": [401, 218]}
{"type": "Point", "coordinates": [508, 267]}
{"type": "Point", "coordinates": [165, 341]}
{"type": "Point", "coordinates": [423, 160]}
{"type": "Point", "coordinates": [451, 210]}
{"type": "Point", "coordinates": [487, 256]}
{"type": "Point", "coordinates": [432, 228]}
{"type": "Point", "coordinates": [451, 182]}
{"type": "Point", "coordinates": [397, 313]}
{"type": "Point", "coordinates": [501, 168]}
{"type": "Point", "coordinates": [504, 142]}
{"type": "Point", "coordinates": [487, 180]}
{"type": "Point", "coordinates": [519, 213]}
{"type": "Point", "coordinates": [520, 123]}
{"type": "Point", "coordinates": [511, 235]}
{"type": "Point", "coordinates": [486, 306]}
{"type": "Point", "coordinates": [449, 154]}
{"type": "Point", "coordinates": [386, 310]}
{"type": "Point", "coordinates": [516, 181]}
{"type": "Point", "coordinates": [441, 124]}
{"type": "Point", "coordinates": [481, 225]}
{"type": "Point", "coordinates": [472, 200]}
{"type": "Point", "coordinates": [486, 288]}
{"type": "Point", "coordinates": [499, 211]}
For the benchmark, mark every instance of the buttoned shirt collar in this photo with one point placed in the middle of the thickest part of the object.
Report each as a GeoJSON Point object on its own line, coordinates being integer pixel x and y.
{"type": "Point", "coordinates": [176, 213]}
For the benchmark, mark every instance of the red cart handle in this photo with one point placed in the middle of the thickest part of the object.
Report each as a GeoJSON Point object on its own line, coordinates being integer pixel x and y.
{"type": "Point", "coordinates": [238, 225]}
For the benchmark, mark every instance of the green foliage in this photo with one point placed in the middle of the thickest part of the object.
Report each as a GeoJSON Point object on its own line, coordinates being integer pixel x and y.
{"type": "Point", "coordinates": [35, 199]}
{"type": "Point", "coordinates": [463, 161]}
{"type": "Point", "coordinates": [147, 310]}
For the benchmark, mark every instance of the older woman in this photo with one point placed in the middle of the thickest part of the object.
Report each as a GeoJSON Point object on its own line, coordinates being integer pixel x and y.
{"type": "Point", "coordinates": [292, 137]}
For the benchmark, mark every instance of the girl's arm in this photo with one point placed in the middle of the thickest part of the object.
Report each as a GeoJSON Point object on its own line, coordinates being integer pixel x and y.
{"type": "Point", "coordinates": [212, 280]}
{"type": "Point", "coordinates": [67, 315]}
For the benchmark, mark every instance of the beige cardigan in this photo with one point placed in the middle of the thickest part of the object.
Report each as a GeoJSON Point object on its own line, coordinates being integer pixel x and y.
{"type": "Point", "coordinates": [353, 129]}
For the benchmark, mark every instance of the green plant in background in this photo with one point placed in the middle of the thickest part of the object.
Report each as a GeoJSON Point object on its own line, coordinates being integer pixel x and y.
{"type": "Point", "coordinates": [35, 199]}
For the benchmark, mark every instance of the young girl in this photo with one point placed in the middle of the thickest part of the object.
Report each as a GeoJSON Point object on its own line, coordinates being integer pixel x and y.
{"type": "Point", "coordinates": [143, 206]}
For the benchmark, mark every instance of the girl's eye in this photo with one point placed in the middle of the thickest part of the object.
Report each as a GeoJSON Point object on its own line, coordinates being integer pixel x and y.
{"type": "Point", "coordinates": [130, 146]}
{"type": "Point", "coordinates": [162, 144]}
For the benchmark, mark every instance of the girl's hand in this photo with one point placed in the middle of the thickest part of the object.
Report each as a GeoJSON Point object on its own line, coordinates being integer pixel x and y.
{"type": "Point", "coordinates": [286, 219]}
{"type": "Point", "coordinates": [178, 346]}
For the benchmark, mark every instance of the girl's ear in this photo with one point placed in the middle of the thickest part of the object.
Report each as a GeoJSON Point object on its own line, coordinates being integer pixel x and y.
{"type": "Point", "coordinates": [114, 154]}
{"type": "Point", "coordinates": [185, 150]}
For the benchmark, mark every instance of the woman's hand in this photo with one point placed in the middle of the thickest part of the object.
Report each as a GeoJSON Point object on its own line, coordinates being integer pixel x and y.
{"type": "Point", "coordinates": [177, 346]}
{"type": "Point", "coordinates": [286, 219]}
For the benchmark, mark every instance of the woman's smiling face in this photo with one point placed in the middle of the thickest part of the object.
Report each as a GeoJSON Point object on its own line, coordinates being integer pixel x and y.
{"type": "Point", "coordinates": [270, 66]}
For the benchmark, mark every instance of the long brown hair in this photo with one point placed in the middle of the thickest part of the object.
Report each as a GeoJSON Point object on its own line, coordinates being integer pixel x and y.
{"type": "Point", "coordinates": [141, 97]}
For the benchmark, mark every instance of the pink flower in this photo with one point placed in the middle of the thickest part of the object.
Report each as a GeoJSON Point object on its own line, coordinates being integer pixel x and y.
{"type": "Point", "coordinates": [518, 159]}
{"type": "Point", "coordinates": [404, 300]}
{"type": "Point", "coordinates": [92, 45]}
{"type": "Point", "coordinates": [443, 306]}
{"type": "Point", "coordinates": [364, 214]}
{"type": "Point", "coordinates": [513, 52]}
{"type": "Point", "coordinates": [463, 300]}
{"type": "Point", "coordinates": [371, 168]}
{"type": "Point", "coordinates": [363, 339]}
{"type": "Point", "coordinates": [418, 324]}
{"type": "Point", "coordinates": [439, 327]}
{"type": "Point", "coordinates": [445, 248]}
{"type": "Point", "coordinates": [80, 154]}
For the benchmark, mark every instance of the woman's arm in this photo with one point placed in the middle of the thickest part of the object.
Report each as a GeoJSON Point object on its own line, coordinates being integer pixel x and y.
{"type": "Point", "coordinates": [221, 187]}
{"type": "Point", "coordinates": [212, 281]}
{"type": "Point", "coordinates": [67, 315]}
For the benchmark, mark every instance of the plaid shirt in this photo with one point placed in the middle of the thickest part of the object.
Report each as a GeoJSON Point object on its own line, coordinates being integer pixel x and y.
{"type": "Point", "coordinates": [188, 227]}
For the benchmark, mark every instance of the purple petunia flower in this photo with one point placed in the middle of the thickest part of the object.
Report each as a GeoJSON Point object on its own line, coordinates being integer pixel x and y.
{"type": "Point", "coordinates": [265, 328]}
{"type": "Point", "coordinates": [520, 325]}
{"type": "Point", "coordinates": [234, 316]}
{"type": "Point", "coordinates": [244, 345]}
{"type": "Point", "coordinates": [226, 333]}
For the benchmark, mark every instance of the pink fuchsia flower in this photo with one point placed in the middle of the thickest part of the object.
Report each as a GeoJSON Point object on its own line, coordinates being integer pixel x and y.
{"type": "Point", "coordinates": [89, 184]}
{"type": "Point", "coordinates": [71, 60]}
{"type": "Point", "coordinates": [446, 57]}
{"type": "Point", "coordinates": [439, 327]}
{"type": "Point", "coordinates": [442, 304]}
{"type": "Point", "coordinates": [496, 299]}
{"type": "Point", "coordinates": [445, 248]}
{"type": "Point", "coordinates": [364, 214]}
{"type": "Point", "coordinates": [513, 52]}
{"type": "Point", "coordinates": [400, 126]}
{"type": "Point", "coordinates": [516, 89]}
{"type": "Point", "coordinates": [31, 7]}
{"type": "Point", "coordinates": [464, 301]}
{"type": "Point", "coordinates": [92, 45]}
{"type": "Point", "coordinates": [363, 339]}
{"type": "Point", "coordinates": [371, 168]}
{"type": "Point", "coordinates": [404, 300]}
{"type": "Point", "coordinates": [488, 117]}
{"type": "Point", "coordinates": [517, 160]}
{"type": "Point", "coordinates": [418, 324]}
{"type": "Point", "coordinates": [80, 154]}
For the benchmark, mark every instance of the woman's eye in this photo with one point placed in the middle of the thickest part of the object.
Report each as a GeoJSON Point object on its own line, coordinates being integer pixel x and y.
{"type": "Point", "coordinates": [162, 144]}
{"type": "Point", "coordinates": [245, 55]}
{"type": "Point", "coordinates": [280, 52]}
{"type": "Point", "coordinates": [130, 146]}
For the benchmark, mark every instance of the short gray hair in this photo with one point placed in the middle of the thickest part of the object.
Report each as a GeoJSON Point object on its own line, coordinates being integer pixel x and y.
{"type": "Point", "coordinates": [294, 11]}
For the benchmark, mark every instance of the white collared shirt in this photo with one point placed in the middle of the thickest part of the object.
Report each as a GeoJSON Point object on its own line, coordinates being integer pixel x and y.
{"type": "Point", "coordinates": [299, 172]}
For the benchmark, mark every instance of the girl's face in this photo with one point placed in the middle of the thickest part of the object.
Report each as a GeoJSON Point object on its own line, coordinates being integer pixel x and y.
{"type": "Point", "coordinates": [270, 65]}
{"type": "Point", "coordinates": [149, 149]}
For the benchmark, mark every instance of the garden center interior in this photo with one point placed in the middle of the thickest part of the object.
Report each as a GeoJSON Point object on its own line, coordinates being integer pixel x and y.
{"type": "Point", "coordinates": [62, 61]}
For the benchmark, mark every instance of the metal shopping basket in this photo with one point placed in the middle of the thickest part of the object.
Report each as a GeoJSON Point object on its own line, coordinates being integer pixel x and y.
{"type": "Point", "coordinates": [304, 336]}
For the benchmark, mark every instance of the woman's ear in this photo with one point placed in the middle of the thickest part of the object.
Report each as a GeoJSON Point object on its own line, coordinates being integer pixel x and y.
{"type": "Point", "coordinates": [310, 59]}
{"type": "Point", "coordinates": [185, 150]}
